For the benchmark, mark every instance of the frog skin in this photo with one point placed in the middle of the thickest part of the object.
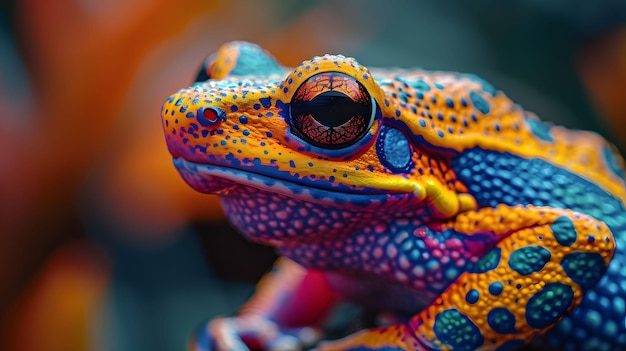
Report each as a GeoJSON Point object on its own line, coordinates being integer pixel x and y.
{"type": "Point", "coordinates": [428, 196]}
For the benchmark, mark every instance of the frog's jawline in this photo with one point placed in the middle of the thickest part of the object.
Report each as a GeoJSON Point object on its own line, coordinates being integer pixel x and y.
{"type": "Point", "coordinates": [200, 176]}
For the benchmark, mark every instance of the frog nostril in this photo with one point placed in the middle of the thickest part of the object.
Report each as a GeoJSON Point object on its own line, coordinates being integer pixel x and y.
{"type": "Point", "coordinates": [210, 116]}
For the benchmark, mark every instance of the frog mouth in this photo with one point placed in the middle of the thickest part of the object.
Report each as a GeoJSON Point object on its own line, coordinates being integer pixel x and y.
{"type": "Point", "coordinates": [220, 179]}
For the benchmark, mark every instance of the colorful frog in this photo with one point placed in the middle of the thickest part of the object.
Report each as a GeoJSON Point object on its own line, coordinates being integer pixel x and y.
{"type": "Point", "coordinates": [428, 196]}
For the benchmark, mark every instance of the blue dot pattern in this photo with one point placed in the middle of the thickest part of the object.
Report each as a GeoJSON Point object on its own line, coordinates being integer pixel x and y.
{"type": "Point", "coordinates": [454, 329]}
{"type": "Point", "coordinates": [496, 178]}
{"type": "Point", "coordinates": [529, 259]}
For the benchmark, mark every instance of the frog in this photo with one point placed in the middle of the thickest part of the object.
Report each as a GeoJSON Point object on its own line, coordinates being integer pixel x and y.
{"type": "Point", "coordinates": [428, 197]}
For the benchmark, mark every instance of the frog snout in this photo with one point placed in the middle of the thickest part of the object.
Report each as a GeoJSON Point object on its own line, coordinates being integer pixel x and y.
{"type": "Point", "coordinates": [184, 108]}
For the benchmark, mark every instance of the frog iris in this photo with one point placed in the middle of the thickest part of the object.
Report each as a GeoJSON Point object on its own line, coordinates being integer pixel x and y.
{"type": "Point", "coordinates": [332, 110]}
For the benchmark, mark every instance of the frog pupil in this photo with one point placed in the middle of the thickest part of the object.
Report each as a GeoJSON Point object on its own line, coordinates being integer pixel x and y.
{"type": "Point", "coordinates": [331, 108]}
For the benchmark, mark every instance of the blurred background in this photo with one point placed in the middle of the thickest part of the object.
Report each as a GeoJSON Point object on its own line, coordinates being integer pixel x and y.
{"type": "Point", "coordinates": [102, 245]}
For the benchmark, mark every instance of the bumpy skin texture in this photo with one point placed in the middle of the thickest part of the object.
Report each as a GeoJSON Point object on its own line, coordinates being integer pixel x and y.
{"type": "Point", "coordinates": [426, 195]}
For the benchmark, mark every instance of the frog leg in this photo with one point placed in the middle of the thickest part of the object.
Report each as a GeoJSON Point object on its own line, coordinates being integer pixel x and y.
{"type": "Point", "coordinates": [539, 270]}
{"type": "Point", "coordinates": [286, 303]}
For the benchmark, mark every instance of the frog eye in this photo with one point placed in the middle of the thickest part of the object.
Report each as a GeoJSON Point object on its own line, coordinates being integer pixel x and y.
{"type": "Point", "coordinates": [332, 110]}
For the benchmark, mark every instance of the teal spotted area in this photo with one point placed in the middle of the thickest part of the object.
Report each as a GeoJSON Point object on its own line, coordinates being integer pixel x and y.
{"type": "Point", "coordinates": [548, 305]}
{"type": "Point", "coordinates": [456, 330]}
{"type": "Point", "coordinates": [529, 259]}
{"type": "Point", "coordinates": [488, 262]}
{"type": "Point", "coordinates": [501, 320]}
{"type": "Point", "coordinates": [584, 268]}
{"type": "Point", "coordinates": [564, 231]}
{"type": "Point", "coordinates": [540, 129]}
{"type": "Point", "coordinates": [481, 104]}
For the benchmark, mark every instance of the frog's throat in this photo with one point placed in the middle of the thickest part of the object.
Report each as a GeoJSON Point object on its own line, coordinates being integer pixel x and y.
{"type": "Point", "coordinates": [218, 179]}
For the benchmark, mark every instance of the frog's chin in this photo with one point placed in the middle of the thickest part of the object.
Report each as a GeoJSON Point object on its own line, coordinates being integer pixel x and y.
{"type": "Point", "coordinates": [220, 180]}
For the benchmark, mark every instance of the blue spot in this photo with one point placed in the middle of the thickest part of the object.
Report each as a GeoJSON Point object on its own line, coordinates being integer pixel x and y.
{"type": "Point", "coordinates": [591, 238]}
{"type": "Point", "coordinates": [548, 305]}
{"type": "Point", "coordinates": [584, 268]}
{"type": "Point", "coordinates": [564, 231]}
{"type": "Point", "coordinates": [612, 161]}
{"type": "Point", "coordinates": [488, 262]}
{"type": "Point", "coordinates": [266, 102]}
{"type": "Point", "coordinates": [440, 133]}
{"type": "Point", "coordinates": [529, 259]}
{"type": "Point", "coordinates": [472, 296]}
{"type": "Point", "coordinates": [234, 108]}
{"type": "Point", "coordinates": [495, 288]}
{"type": "Point", "coordinates": [540, 129]}
{"type": "Point", "coordinates": [292, 164]}
{"type": "Point", "coordinates": [243, 119]}
{"type": "Point", "coordinates": [256, 106]}
{"type": "Point", "coordinates": [450, 102]}
{"type": "Point", "coordinates": [456, 330]}
{"type": "Point", "coordinates": [420, 85]}
{"type": "Point", "coordinates": [501, 320]}
{"type": "Point", "coordinates": [422, 123]}
{"type": "Point", "coordinates": [481, 104]}
{"type": "Point", "coordinates": [394, 150]}
{"type": "Point", "coordinates": [511, 345]}
{"type": "Point", "coordinates": [397, 113]}
{"type": "Point", "coordinates": [246, 132]}
{"type": "Point", "coordinates": [269, 134]}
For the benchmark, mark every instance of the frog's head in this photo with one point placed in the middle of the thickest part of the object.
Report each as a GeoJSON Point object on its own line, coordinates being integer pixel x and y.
{"type": "Point", "coordinates": [317, 135]}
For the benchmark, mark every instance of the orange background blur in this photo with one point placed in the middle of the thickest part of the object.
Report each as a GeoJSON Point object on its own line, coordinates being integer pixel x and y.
{"type": "Point", "coordinates": [101, 242]}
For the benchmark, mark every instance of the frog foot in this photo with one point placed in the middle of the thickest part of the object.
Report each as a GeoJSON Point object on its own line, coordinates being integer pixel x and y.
{"type": "Point", "coordinates": [251, 332]}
